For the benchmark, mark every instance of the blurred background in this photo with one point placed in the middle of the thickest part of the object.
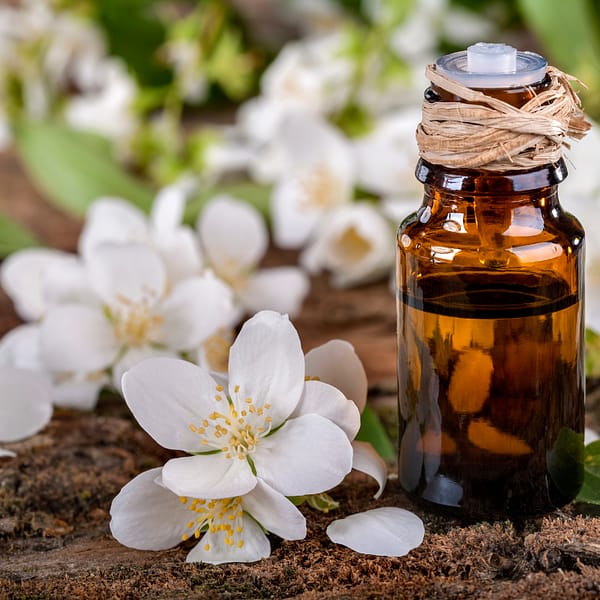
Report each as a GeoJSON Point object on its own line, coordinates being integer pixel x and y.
{"type": "Point", "coordinates": [123, 97]}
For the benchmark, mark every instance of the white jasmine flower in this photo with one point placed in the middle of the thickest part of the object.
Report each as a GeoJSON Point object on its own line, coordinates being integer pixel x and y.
{"type": "Point", "coordinates": [318, 176]}
{"type": "Point", "coordinates": [386, 531]}
{"type": "Point", "coordinates": [115, 220]}
{"type": "Point", "coordinates": [355, 243]}
{"type": "Point", "coordinates": [139, 314]}
{"type": "Point", "coordinates": [25, 404]}
{"type": "Point", "coordinates": [227, 530]}
{"type": "Point", "coordinates": [107, 107]}
{"type": "Point", "coordinates": [21, 348]}
{"type": "Point", "coordinates": [580, 195]}
{"type": "Point", "coordinates": [243, 434]}
{"type": "Point", "coordinates": [37, 278]}
{"type": "Point", "coordinates": [337, 364]}
{"type": "Point", "coordinates": [235, 239]}
{"type": "Point", "coordinates": [387, 156]}
{"type": "Point", "coordinates": [311, 74]}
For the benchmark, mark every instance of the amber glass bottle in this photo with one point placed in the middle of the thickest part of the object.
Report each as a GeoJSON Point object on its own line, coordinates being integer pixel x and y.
{"type": "Point", "coordinates": [491, 340]}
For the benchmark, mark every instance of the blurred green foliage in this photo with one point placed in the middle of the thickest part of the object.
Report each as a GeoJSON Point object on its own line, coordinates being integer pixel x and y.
{"type": "Point", "coordinates": [13, 237]}
{"type": "Point", "coordinates": [75, 168]}
{"type": "Point", "coordinates": [570, 37]}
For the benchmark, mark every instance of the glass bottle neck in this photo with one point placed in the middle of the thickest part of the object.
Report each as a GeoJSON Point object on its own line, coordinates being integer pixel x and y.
{"type": "Point", "coordinates": [489, 183]}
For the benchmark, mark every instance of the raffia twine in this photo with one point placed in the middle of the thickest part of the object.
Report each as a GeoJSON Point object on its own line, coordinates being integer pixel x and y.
{"type": "Point", "coordinates": [486, 133]}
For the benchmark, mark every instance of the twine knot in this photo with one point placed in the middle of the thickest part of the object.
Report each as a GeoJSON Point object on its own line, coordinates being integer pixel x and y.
{"type": "Point", "coordinates": [483, 132]}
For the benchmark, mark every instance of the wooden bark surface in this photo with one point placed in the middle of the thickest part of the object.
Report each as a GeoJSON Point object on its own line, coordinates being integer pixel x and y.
{"type": "Point", "coordinates": [55, 495]}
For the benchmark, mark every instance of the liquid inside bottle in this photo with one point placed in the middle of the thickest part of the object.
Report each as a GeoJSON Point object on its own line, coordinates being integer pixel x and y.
{"type": "Point", "coordinates": [491, 376]}
{"type": "Point", "coordinates": [492, 398]}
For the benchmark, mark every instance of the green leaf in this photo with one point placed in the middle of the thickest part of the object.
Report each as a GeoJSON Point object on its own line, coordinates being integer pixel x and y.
{"type": "Point", "coordinates": [255, 194]}
{"type": "Point", "coordinates": [322, 502]}
{"type": "Point", "coordinates": [569, 35]}
{"type": "Point", "coordinates": [371, 430]}
{"type": "Point", "coordinates": [135, 33]}
{"type": "Point", "coordinates": [75, 168]}
{"type": "Point", "coordinates": [590, 491]}
{"type": "Point", "coordinates": [565, 462]}
{"type": "Point", "coordinates": [13, 237]}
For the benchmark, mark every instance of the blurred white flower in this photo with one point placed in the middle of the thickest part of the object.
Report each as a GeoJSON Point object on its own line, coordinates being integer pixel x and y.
{"type": "Point", "coordinates": [386, 157]}
{"type": "Point", "coordinates": [244, 434]}
{"type": "Point", "coordinates": [21, 348]}
{"type": "Point", "coordinates": [38, 278]}
{"type": "Point", "coordinates": [337, 364]}
{"type": "Point", "coordinates": [580, 195]}
{"type": "Point", "coordinates": [355, 243]}
{"type": "Point", "coordinates": [115, 220]}
{"type": "Point", "coordinates": [387, 531]}
{"type": "Point", "coordinates": [317, 176]}
{"type": "Point", "coordinates": [53, 55]}
{"type": "Point", "coordinates": [235, 239]}
{"type": "Point", "coordinates": [138, 315]}
{"type": "Point", "coordinates": [106, 107]}
{"type": "Point", "coordinates": [227, 530]}
{"type": "Point", "coordinates": [311, 74]}
{"type": "Point", "coordinates": [25, 404]}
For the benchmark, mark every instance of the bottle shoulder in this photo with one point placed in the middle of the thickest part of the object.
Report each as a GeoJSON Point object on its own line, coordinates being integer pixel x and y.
{"type": "Point", "coordinates": [463, 232]}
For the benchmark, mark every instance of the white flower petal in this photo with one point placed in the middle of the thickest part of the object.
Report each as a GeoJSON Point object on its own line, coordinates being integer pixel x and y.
{"type": "Point", "coordinates": [77, 338]}
{"type": "Point", "coordinates": [195, 310]}
{"type": "Point", "coordinates": [132, 357]}
{"type": "Point", "coordinates": [386, 157]}
{"type": "Point", "coordinates": [282, 289]}
{"type": "Point", "coordinates": [294, 216]}
{"type": "Point", "coordinates": [267, 363]}
{"type": "Point", "coordinates": [79, 393]}
{"type": "Point", "coordinates": [275, 512]}
{"type": "Point", "coordinates": [307, 455]}
{"type": "Point", "coordinates": [309, 141]}
{"type": "Point", "coordinates": [323, 399]}
{"type": "Point", "coordinates": [23, 275]}
{"type": "Point", "coordinates": [25, 403]}
{"type": "Point", "coordinates": [124, 273]}
{"type": "Point", "coordinates": [181, 254]}
{"type": "Point", "coordinates": [112, 220]}
{"type": "Point", "coordinates": [233, 234]}
{"type": "Point", "coordinates": [6, 453]}
{"type": "Point", "coordinates": [168, 208]}
{"type": "Point", "coordinates": [168, 395]}
{"type": "Point", "coordinates": [354, 243]}
{"type": "Point", "coordinates": [337, 363]}
{"type": "Point", "coordinates": [67, 283]}
{"type": "Point", "coordinates": [147, 516]}
{"type": "Point", "coordinates": [367, 460]}
{"type": "Point", "coordinates": [256, 546]}
{"type": "Point", "coordinates": [590, 436]}
{"type": "Point", "coordinates": [387, 531]}
{"type": "Point", "coordinates": [20, 347]}
{"type": "Point", "coordinates": [209, 476]}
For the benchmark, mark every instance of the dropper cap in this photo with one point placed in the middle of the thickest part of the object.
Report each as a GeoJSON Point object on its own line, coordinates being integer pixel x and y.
{"type": "Point", "coordinates": [485, 65]}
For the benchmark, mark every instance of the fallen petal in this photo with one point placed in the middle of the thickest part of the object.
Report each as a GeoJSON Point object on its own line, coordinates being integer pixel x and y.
{"type": "Point", "coordinates": [387, 531]}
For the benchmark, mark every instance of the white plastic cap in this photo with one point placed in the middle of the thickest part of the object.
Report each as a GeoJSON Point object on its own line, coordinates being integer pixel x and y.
{"type": "Point", "coordinates": [491, 58]}
{"type": "Point", "coordinates": [486, 65]}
